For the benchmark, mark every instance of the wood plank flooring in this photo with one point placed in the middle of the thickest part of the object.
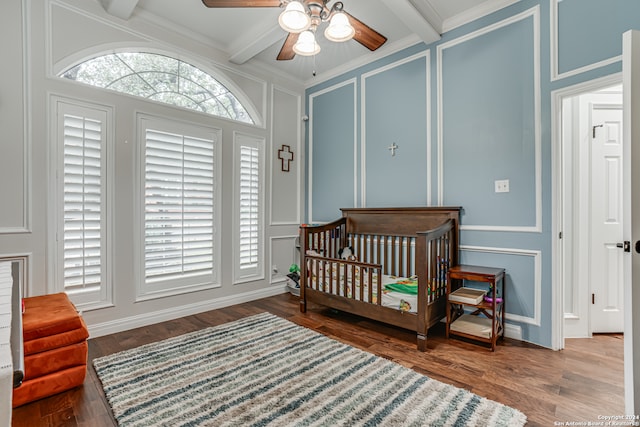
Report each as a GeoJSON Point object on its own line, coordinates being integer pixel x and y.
{"type": "Point", "coordinates": [577, 384]}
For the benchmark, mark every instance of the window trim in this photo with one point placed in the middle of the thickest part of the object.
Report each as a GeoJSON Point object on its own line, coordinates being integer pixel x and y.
{"type": "Point", "coordinates": [83, 299]}
{"type": "Point", "coordinates": [243, 139]}
{"type": "Point", "coordinates": [163, 288]}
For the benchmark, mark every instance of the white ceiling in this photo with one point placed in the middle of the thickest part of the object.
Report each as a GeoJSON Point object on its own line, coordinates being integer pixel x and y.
{"type": "Point", "coordinates": [249, 35]}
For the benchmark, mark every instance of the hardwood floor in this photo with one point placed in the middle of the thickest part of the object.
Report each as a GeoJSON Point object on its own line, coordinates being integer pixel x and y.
{"type": "Point", "coordinates": [577, 384]}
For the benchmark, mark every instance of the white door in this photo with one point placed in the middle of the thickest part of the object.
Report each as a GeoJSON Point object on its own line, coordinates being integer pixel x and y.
{"type": "Point", "coordinates": [606, 275]}
{"type": "Point", "coordinates": [631, 105]}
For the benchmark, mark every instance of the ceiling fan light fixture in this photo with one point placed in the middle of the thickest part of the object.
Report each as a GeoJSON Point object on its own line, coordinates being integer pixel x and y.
{"type": "Point", "coordinates": [339, 29]}
{"type": "Point", "coordinates": [306, 44]}
{"type": "Point", "coordinates": [294, 18]}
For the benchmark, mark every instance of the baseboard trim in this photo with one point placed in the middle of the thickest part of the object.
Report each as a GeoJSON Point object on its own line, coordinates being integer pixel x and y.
{"type": "Point", "coordinates": [513, 331]}
{"type": "Point", "coordinates": [132, 322]}
{"type": "Point", "coordinates": [111, 327]}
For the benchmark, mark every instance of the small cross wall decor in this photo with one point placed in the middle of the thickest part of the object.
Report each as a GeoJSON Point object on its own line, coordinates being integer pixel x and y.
{"type": "Point", "coordinates": [286, 156]}
{"type": "Point", "coordinates": [393, 147]}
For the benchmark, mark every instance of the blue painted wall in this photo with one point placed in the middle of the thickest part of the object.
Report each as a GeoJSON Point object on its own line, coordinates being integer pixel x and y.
{"type": "Point", "coordinates": [589, 30]}
{"type": "Point", "coordinates": [333, 133]}
{"type": "Point", "coordinates": [488, 116]}
{"type": "Point", "coordinates": [490, 84]}
{"type": "Point", "coordinates": [398, 177]}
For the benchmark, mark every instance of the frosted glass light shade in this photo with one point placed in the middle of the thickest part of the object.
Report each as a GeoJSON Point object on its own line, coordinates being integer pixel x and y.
{"type": "Point", "coordinates": [339, 29]}
{"type": "Point", "coordinates": [306, 44]}
{"type": "Point", "coordinates": [294, 18]}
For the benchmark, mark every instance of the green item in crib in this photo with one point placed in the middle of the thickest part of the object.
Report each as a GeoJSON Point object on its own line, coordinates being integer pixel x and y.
{"type": "Point", "coordinates": [409, 287]}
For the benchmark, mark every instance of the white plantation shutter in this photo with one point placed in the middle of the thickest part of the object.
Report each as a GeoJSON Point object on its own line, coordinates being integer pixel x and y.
{"type": "Point", "coordinates": [179, 207]}
{"type": "Point", "coordinates": [249, 206]}
{"type": "Point", "coordinates": [83, 202]}
{"type": "Point", "coordinates": [79, 181]}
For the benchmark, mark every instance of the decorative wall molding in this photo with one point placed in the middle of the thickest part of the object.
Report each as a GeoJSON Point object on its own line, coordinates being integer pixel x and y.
{"type": "Point", "coordinates": [554, 50]}
{"type": "Point", "coordinates": [271, 252]}
{"type": "Point", "coordinates": [312, 97]}
{"type": "Point", "coordinates": [363, 118]}
{"type": "Point", "coordinates": [26, 84]}
{"type": "Point", "coordinates": [503, 228]}
{"type": "Point", "coordinates": [20, 229]}
{"type": "Point", "coordinates": [537, 275]}
{"type": "Point", "coordinates": [534, 13]}
{"type": "Point", "coordinates": [26, 190]}
{"type": "Point", "coordinates": [297, 149]}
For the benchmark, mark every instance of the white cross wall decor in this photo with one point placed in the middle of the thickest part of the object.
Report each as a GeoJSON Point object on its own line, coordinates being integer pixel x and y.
{"type": "Point", "coordinates": [286, 156]}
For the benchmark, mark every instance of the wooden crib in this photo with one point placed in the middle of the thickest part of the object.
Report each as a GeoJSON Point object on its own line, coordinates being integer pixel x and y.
{"type": "Point", "coordinates": [389, 245]}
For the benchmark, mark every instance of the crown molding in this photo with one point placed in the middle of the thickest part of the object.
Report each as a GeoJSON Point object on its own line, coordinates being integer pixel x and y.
{"type": "Point", "coordinates": [474, 13]}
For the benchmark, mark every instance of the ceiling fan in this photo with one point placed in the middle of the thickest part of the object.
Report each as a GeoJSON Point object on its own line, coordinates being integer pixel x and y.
{"type": "Point", "coordinates": [301, 18]}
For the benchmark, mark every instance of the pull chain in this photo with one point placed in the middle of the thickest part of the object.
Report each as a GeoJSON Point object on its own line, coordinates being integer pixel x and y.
{"type": "Point", "coordinates": [314, 66]}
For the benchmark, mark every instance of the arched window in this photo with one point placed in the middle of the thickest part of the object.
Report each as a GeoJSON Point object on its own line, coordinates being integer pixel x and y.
{"type": "Point", "coordinates": [160, 78]}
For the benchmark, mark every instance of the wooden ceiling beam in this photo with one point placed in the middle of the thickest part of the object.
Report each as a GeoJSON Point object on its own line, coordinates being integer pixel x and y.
{"type": "Point", "coordinates": [122, 9]}
{"type": "Point", "coordinates": [245, 49]}
{"type": "Point", "coordinates": [414, 18]}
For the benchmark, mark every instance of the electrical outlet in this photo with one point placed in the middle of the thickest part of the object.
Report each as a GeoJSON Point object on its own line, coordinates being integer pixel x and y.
{"type": "Point", "coordinates": [502, 186]}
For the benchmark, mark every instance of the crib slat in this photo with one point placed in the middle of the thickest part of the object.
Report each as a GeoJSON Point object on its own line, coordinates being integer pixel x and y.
{"type": "Point", "coordinates": [379, 288]}
{"type": "Point", "coordinates": [324, 275]}
{"type": "Point", "coordinates": [385, 250]}
{"type": "Point", "coordinates": [362, 289]}
{"type": "Point", "coordinates": [352, 286]}
{"type": "Point", "coordinates": [344, 281]}
{"type": "Point", "coordinates": [369, 282]}
{"type": "Point", "coordinates": [393, 255]}
{"type": "Point", "coordinates": [334, 276]}
{"type": "Point", "coordinates": [408, 254]}
{"type": "Point", "coordinates": [401, 271]}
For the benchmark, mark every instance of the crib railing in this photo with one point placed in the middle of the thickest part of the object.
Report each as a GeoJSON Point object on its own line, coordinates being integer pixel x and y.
{"type": "Point", "coordinates": [325, 239]}
{"type": "Point", "coordinates": [396, 254]}
{"type": "Point", "coordinates": [349, 279]}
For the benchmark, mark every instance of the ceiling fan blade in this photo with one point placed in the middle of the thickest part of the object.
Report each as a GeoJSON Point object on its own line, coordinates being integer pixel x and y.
{"type": "Point", "coordinates": [365, 35]}
{"type": "Point", "coordinates": [241, 3]}
{"type": "Point", "coordinates": [286, 52]}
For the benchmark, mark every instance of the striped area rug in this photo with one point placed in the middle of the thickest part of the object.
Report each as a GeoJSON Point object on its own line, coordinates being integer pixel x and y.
{"type": "Point", "coordinates": [264, 370]}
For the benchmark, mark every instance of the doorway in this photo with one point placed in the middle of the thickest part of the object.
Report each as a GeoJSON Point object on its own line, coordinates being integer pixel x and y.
{"type": "Point", "coordinates": [588, 184]}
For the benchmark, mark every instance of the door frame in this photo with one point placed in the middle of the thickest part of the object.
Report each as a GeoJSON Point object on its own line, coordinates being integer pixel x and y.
{"type": "Point", "coordinates": [631, 107]}
{"type": "Point", "coordinates": [561, 250]}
